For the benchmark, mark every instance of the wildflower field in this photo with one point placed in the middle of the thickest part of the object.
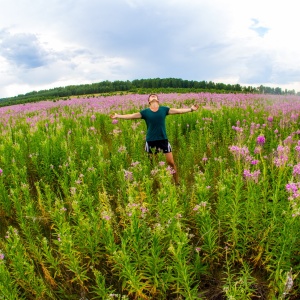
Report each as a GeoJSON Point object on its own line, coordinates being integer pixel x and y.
{"type": "Point", "coordinates": [85, 214]}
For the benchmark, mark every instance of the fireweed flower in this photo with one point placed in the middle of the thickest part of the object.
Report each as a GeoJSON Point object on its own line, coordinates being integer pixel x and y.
{"type": "Point", "coordinates": [288, 283]}
{"type": "Point", "coordinates": [196, 207]}
{"type": "Point", "coordinates": [238, 129]}
{"type": "Point", "coordinates": [116, 131]}
{"type": "Point", "coordinates": [105, 215]}
{"type": "Point", "coordinates": [257, 150]}
{"type": "Point", "coordinates": [252, 128]}
{"type": "Point", "coordinates": [293, 188]}
{"type": "Point", "coordinates": [251, 176]}
{"type": "Point", "coordinates": [154, 172]}
{"type": "Point", "coordinates": [282, 156]}
{"type": "Point", "coordinates": [122, 149]}
{"type": "Point", "coordinates": [115, 121]}
{"type": "Point", "coordinates": [288, 141]}
{"type": "Point", "coordinates": [261, 140]}
{"type": "Point", "coordinates": [1, 256]}
{"type": "Point", "coordinates": [240, 152]}
{"type": "Point", "coordinates": [73, 190]}
{"type": "Point", "coordinates": [134, 126]}
{"type": "Point", "coordinates": [171, 170]}
{"type": "Point", "coordinates": [128, 175]}
{"type": "Point", "coordinates": [296, 170]}
{"type": "Point", "coordinates": [161, 163]}
{"type": "Point", "coordinates": [1, 172]}
{"type": "Point", "coordinates": [133, 164]}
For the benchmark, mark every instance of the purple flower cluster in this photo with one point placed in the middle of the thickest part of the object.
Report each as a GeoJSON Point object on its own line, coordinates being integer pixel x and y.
{"type": "Point", "coordinates": [296, 170]}
{"type": "Point", "coordinates": [252, 176]}
{"type": "Point", "coordinates": [136, 207]}
{"type": "Point", "coordinates": [240, 152]}
{"type": "Point", "coordinates": [293, 189]}
{"type": "Point", "coordinates": [198, 206]}
{"type": "Point", "coordinates": [171, 170]}
{"type": "Point", "coordinates": [261, 140]}
{"type": "Point", "coordinates": [297, 148]}
{"type": "Point", "coordinates": [128, 175]}
{"type": "Point", "coordinates": [238, 129]}
{"type": "Point", "coordinates": [282, 156]}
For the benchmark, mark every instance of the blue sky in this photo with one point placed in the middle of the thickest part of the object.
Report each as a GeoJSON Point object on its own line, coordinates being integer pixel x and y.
{"type": "Point", "coordinates": [46, 44]}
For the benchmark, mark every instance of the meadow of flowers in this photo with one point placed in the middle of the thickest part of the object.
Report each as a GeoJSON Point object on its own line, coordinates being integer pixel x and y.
{"type": "Point", "coordinates": [85, 214]}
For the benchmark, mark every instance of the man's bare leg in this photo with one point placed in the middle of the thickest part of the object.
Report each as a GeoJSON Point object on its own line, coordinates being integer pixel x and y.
{"type": "Point", "coordinates": [171, 163]}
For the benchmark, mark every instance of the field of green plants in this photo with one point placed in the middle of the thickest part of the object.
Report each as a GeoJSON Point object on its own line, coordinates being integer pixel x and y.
{"type": "Point", "coordinates": [85, 214]}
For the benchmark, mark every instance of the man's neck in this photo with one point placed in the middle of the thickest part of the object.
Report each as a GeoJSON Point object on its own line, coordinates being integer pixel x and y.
{"type": "Point", "coordinates": [154, 106]}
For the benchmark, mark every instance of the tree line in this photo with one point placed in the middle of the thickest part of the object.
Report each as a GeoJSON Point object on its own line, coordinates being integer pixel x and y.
{"type": "Point", "coordinates": [163, 85]}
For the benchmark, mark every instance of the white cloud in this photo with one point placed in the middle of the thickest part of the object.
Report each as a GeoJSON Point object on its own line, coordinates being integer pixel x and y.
{"type": "Point", "coordinates": [81, 41]}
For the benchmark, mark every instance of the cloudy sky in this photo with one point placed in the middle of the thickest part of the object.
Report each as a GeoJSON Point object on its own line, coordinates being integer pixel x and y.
{"type": "Point", "coordinates": [46, 44]}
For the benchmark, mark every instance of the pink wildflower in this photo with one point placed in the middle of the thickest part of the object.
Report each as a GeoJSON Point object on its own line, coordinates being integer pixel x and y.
{"type": "Point", "coordinates": [171, 170]}
{"type": "Point", "coordinates": [196, 207]}
{"type": "Point", "coordinates": [252, 176]}
{"type": "Point", "coordinates": [128, 175]}
{"type": "Point", "coordinates": [296, 170]}
{"type": "Point", "coordinates": [154, 172]}
{"type": "Point", "coordinates": [282, 155]}
{"type": "Point", "coordinates": [261, 140]}
{"type": "Point", "coordinates": [122, 149]}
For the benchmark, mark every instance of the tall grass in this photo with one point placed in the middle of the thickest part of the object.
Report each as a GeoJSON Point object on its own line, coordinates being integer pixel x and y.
{"type": "Point", "coordinates": [85, 214]}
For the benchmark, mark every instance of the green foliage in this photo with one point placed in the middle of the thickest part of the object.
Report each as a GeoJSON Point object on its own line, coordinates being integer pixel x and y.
{"type": "Point", "coordinates": [85, 213]}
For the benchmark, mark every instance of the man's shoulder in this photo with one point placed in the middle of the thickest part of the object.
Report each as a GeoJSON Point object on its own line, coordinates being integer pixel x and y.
{"type": "Point", "coordinates": [145, 110]}
{"type": "Point", "coordinates": [165, 108]}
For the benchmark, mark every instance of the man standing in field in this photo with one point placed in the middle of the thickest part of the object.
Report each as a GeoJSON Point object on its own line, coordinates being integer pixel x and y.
{"type": "Point", "coordinates": [156, 138]}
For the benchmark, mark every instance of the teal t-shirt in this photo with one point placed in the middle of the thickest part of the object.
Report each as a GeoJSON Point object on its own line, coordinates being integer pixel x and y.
{"type": "Point", "coordinates": [156, 123]}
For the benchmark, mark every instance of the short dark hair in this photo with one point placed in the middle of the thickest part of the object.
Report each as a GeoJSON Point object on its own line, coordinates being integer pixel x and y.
{"type": "Point", "coordinates": [152, 95]}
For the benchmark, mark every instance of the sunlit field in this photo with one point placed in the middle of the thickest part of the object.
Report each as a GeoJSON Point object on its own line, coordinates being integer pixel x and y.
{"type": "Point", "coordinates": [85, 214]}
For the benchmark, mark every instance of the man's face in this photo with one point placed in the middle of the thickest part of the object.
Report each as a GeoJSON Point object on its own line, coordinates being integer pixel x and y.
{"type": "Point", "coordinates": [153, 98]}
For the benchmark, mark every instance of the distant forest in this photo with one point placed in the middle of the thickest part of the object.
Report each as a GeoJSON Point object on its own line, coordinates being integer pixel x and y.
{"type": "Point", "coordinates": [140, 86]}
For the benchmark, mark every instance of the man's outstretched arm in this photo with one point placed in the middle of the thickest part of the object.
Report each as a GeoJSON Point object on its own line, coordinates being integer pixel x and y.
{"type": "Point", "coordinates": [127, 116]}
{"type": "Point", "coordinates": [174, 111]}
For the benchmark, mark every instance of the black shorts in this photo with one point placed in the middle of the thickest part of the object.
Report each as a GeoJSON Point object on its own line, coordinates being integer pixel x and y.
{"type": "Point", "coordinates": [158, 146]}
